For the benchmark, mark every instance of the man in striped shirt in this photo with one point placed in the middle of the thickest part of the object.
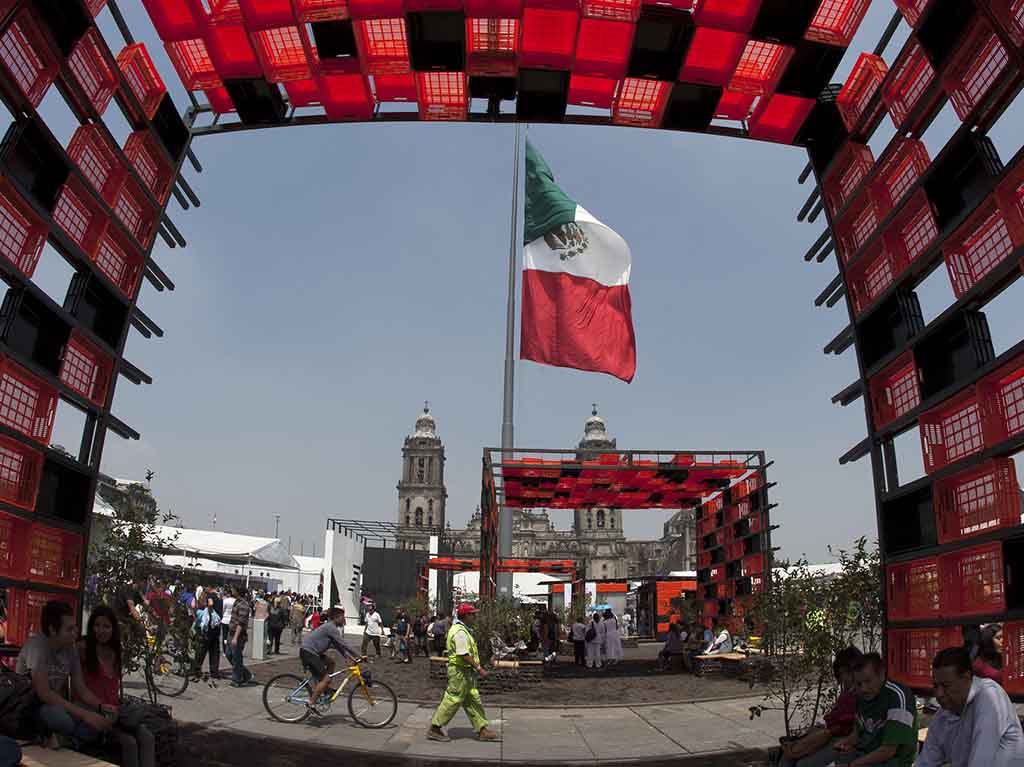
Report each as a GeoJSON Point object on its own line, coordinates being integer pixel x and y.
{"type": "Point", "coordinates": [886, 729]}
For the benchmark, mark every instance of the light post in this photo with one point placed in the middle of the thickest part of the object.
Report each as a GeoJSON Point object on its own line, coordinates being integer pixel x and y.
{"type": "Point", "coordinates": [277, 524]}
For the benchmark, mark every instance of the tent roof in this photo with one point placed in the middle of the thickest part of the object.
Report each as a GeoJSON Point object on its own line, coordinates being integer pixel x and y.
{"type": "Point", "coordinates": [309, 564]}
{"type": "Point", "coordinates": [222, 546]}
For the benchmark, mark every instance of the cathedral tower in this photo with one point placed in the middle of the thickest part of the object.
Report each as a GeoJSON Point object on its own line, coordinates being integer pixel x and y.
{"type": "Point", "coordinates": [421, 490]}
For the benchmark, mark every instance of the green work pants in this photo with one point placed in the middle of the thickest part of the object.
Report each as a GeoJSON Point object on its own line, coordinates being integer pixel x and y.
{"type": "Point", "coordinates": [461, 691]}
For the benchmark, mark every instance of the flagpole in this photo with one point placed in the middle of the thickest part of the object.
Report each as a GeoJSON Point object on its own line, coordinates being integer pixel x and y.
{"type": "Point", "coordinates": [508, 399]}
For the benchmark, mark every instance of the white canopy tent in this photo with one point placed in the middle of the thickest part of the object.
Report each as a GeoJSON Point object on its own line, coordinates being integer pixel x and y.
{"type": "Point", "coordinates": [230, 548]}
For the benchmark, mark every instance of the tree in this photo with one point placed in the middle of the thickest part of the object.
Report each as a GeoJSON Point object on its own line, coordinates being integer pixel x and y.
{"type": "Point", "coordinates": [855, 597]}
{"type": "Point", "coordinates": [125, 548]}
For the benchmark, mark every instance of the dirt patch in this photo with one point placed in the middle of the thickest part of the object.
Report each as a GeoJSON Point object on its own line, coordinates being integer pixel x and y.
{"type": "Point", "coordinates": [633, 681]}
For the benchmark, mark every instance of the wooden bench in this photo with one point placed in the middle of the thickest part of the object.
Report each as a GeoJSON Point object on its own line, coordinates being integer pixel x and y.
{"type": "Point", "coordinates": [37, 756]}
{"type": "Point", "coordinates": [719, 663]}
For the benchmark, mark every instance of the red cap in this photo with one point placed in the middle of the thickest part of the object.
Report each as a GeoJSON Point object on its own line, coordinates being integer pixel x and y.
{"type": "Point", "coordinates": [466, 609]}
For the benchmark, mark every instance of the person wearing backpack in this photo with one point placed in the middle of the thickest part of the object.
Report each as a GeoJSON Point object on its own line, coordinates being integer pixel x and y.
{"type": "Point", "coordinates": [439, 632]}
{"type": "Point", "coordinates": [594, 639]}
{"type": "Point", "coordinates": [207, 628]}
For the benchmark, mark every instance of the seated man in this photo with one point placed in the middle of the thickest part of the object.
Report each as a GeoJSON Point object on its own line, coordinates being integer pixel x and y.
{"type": "Point", "coordinates": [51, 660]}
{"type": "Point", "coordinates": [886, 729]}
{"type": "Point", "coordinates": [673, 646]}
{"type": "Point", "coordinates": [977, 725]}
{"type": "Point", "coordinates": [815, 748]}
{"type": "Point", "coordinates": [722, 643]}
{"type": "Point", "coordinates": [313, 652]}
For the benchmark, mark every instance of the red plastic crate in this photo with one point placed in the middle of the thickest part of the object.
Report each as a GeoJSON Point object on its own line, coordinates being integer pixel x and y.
{"type": "Point", "coordinates": [548, 38]}
{"type": "Point", "coordinates": [707, 525]}
{"type": "Point", "coordinates": [871, 276]}
{"type": "Point", "coordinates": [910, 79]}
{"type": "Point", "coordinates": [850, 167]}
{"type": "Point", "coordinates": [375, 9]}
{"type": "Point", "coordinates": [54, 556]}
{"type": "Point", "coordinates": [99, 161]}
{"type": "Point", "coordinates": [84, 367]}
{"type": "Point", "coordinates": [1001, 394]}
{"type": "Point", "coordinates": [442, 95]}
{"type": "Point", "coordinates": [760, 67]}
{"type": "Point", "coordinates": [282, 54]}
{"type": "Point", "coordinates": [735, 106]}
{"type": "Point", "coordinates": [27, 403]}
{"type": "Point", "coordinates": [613, 10]}
{"type": "Point", "coordinates": [710, 608]}
{"type": "Point", "coordinates": [192, 61]}
{"type": "Point", "coordinates": [837, 21]}
{"type": "Point", "coordinates": [895, 391]}
{"type": "Point", "coordinates": [120, 261]}
{"type": "Point", "coordinates": [977, 501]}
{"type": "Point", "coordinates": [732, 15]}
{"type": "Point", "coordinates": [231, 51]}
{"type": "Point", "coordinates": [911, 652]}
{"type": "Point", "coordinates": [974, 580]}
{"type": "Point", "coordinates": [858, 224]}
{"type": "Point", "coordinates": [914, 590]}
{"type": "Point", "coordinates": [27, 57]}
{"type": "Point", "coordinates": [303, 93]}
{"type": "Point", "coordinates": [220, 100]}
{"type": "Point", "coordinates": [757, 523]}
{"type": "Point", "coordinates": [779, 117]}
{"type": "Point", "coordinates": [24, 612]}
{"type": "Point", "coordinates": [735, 551]}
{"type": "Point", "coordinates": [80, 216]}
{"type": "Point", "coordinates": [713, 56]}
{"type": "Point", "coordinates": [346, 97]}
{"type": "Point", "coordinates": [1013, 655]}
{"type": "Point", "coordinates": [718, 573]}
{"type": "Point", "coordinates": [151, 165]}
{"type": "Point", "coordinates": [136, 213]}
{"type": "Point", "coordinates": [912, 10]}
{"type": "Point", "coordinates": [704, 560]}
{"type": "Point", "coordinates": [22, 232]}
{"type": "Point", "coordinates": [977, 247]}
{"type": "Point", "coordinates": [602, 47]}
{"type": "Point", "coordinates": [951, 431]}
{"type": "Point", "coordinates": [494, 9]}
{"type": "Point", "coordinates": [1010, 194]}
{"type": "Point", "coordinates": [979, 63]}
{"type": "Point", "coordinates": [382, 46]}
{"type": "Point", "coordinates": [20, 471]}
{"type": "Point", "coordinates": [398, 88]}
{"type": "Point", "coordinates": [1010, 15]}
{"type": "Point", "coordinates": [491, 45]}
{"type": "Point", "coordinates": [176, 19]}
{"type": "Point", "coordinates": [912, 230]}
{"type": "Point", "coordinates": [321, 10]}
{"type": "Point", "coordinates": [225, 11]}
{"type": "Point", "coordinates": [859, 90]}
{"type": "Point", "coordinates": [640, 102]}
{"type": "Point", "coordinates": [264, 14]}
{"type": "Point", "coordinates": [142, 77]}
{"type": "Point", "coordinates": [899, 170]}
{"type": "Point", "coordinates": [14, 534]}
{"type": "Point", "coordinates": [753, 564]}
{"type": "Point", "coordinates": [93, 70]}
{"type": "Point", "coordinates": [597, 92]}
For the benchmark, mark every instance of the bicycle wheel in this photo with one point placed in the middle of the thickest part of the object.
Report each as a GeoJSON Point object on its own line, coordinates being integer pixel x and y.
{"type": "Point", "coordinates": [285, 698]}
{"type": "Point", "coordinates": [170, 677]}
{"type": "Point", "coordinates": [373, 704]}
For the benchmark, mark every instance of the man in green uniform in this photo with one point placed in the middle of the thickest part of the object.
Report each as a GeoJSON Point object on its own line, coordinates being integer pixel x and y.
{"type": "Point", "coordinates": [463, 669]}
{"type": "Point", "coordinates": [886, 731]}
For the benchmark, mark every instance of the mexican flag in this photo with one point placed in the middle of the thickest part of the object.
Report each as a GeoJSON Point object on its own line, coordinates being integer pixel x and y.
{"type": "Point", "coordinates": [576, 307]}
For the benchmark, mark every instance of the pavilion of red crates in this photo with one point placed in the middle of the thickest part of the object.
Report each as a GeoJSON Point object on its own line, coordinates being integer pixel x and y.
{"type": "Point", "coordinates": [952, 542]}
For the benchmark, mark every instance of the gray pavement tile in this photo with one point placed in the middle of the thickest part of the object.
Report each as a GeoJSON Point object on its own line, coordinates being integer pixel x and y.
{"type": "Point", "coordinates": [536, 735]}
{"type": "Point", "coordinates": [618, 733]}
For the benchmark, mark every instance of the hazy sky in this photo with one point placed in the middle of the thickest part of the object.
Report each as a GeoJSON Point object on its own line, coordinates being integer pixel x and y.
{"type": "Point", "coordinates": [337, 276]}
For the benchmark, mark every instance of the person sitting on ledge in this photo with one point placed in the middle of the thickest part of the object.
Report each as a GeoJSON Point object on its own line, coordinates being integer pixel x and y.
{"type": "Point", "coordinates": [673, 646]}
{"type": "Point", "coordinates": [977, 725]}
{"type": "Point", "coordinates": [886, 729]}
{"type": "Point", "coordinates": [815, 748]}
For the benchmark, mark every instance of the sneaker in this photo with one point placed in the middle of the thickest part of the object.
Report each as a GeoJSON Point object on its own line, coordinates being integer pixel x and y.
{"type": "Point", "coordinates": [436, 733]}
{"type": "Point", "coordinates": [488, 736]}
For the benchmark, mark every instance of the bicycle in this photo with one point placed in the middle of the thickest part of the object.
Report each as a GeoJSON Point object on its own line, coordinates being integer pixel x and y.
{"type": "Point", "coordinates": [371, 703]}
{"type": "Point", "coordinates": [167, 667]}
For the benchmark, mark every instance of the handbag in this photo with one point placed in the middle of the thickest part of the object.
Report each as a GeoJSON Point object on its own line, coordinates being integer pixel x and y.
{"type": "Point", "coordinates": [591, 634]}
{"type": "Point", "coordinates": [18, 704]}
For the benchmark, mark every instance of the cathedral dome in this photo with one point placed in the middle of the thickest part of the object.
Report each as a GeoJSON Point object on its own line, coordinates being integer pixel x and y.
{"type": "Point", "coordinates": [594, 431]}
{"type": "Point", "coordinates": [425, 425]}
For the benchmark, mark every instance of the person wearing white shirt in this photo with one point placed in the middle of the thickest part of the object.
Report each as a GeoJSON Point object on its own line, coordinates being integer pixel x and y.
{"type": "Point", "coordinates": [374, 629]}
{"type": "Point", "coordinates": [722, 642]}
{"type": "Point", "coordinates": [612, 640]}
{"type": "Point", "coordinates": [594, 639]}
{"type": "Point", "coordinates": [225, 621]}
{"type": "Point", "coordinates": [977, 725]}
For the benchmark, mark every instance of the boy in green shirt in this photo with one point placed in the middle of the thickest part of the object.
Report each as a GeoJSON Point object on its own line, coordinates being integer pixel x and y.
{"type": "Point", "coordinates": [886, 731]}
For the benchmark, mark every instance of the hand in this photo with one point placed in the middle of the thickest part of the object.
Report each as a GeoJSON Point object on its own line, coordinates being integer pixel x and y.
{"type": "Point", "coordinates": [97, 721]}
{"type": "Point", "coordinates": [482, 672]}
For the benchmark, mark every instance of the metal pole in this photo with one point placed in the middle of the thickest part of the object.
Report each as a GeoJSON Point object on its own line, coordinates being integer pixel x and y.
{"type": "Point", "coordinates": [508, 398]}
{"type": "Point", "coordinates": [277, 525]}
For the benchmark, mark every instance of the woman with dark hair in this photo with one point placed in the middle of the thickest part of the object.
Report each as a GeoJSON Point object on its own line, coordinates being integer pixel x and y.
{"type": "Point", "coordinates": [101, 672]}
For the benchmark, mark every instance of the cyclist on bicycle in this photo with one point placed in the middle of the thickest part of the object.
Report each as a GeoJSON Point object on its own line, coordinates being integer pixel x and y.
{"type": "Point", "coordinates": [313, 652]}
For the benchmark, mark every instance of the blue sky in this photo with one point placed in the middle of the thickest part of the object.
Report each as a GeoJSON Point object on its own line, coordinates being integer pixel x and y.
{"type": "Point", "coordinates": [337, 276]}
